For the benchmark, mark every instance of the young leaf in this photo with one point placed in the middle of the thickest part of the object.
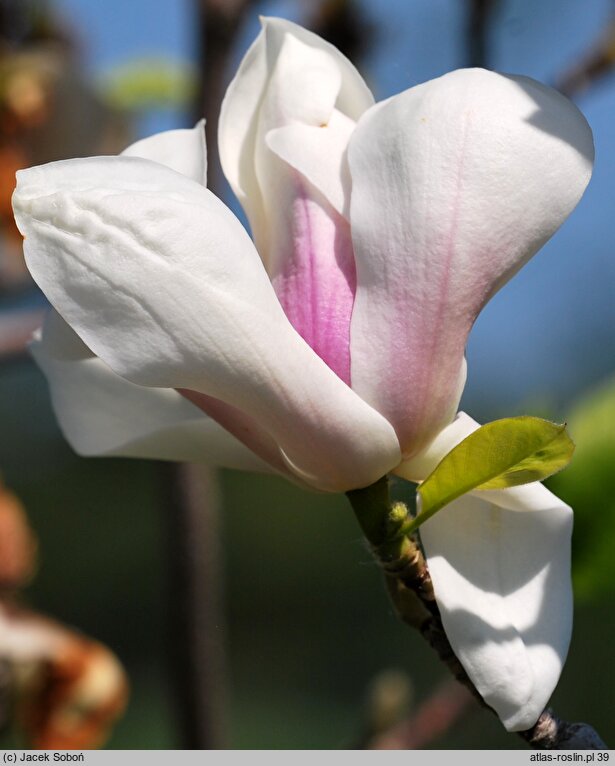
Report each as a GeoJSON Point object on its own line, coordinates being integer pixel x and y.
{"type": "Point", "coordinates": [501, 454]}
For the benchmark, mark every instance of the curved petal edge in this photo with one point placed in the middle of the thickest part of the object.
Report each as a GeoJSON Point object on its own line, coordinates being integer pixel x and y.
{"type": "Point", "coordinates": [500, 566]}
{"type": "Point", "coordinates": [103, 414]}
{"type": "Point", "coordinates": [475, 171]}
{"type": "Point", "coordinates": [161, 281]}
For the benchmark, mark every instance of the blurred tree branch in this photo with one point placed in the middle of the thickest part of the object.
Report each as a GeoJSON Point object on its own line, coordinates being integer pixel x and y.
{"type": "Point", "coordinates": [197, 625]}
{"type": "Point", "coordinates": [480, 13]}
{"type": "Point", "coordinates": [411, 590]}
{"type": "Point", "coordinates": [342, 23]}
{"type": "Point", "coordinates": [197, 619]}
{"type": "Point", "coordinates": [47, 112]}
{"type": "Point", "coordinates": [595, 64]}
{"type": "Point", "coordinates": [437, 714]}
{"type": "Point", "coordinates": [218, 22]}
{"type": "Point", "coordinates": [29, 22]}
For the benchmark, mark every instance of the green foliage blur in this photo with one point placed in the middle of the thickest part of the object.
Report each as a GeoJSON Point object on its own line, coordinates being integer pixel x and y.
{"type": "Point", "coordinates": [149, 83]}
{"type": "Point", "coordinates": [588, 485]}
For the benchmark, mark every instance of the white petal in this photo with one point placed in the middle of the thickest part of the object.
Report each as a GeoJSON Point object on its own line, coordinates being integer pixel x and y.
{"type": "Point", "coordinates": [290, 173]}
{"type": "Point", "coordinates": [421, 465]}
{"type": "Point", "coordinates": [502, 584]}
{"type": "Point", "coordinates": [319, 154]}
{"type": "Point", "coordinates": [455, 185]}
{"type": "Point", "coordinates": [500, 565]}
{"type": "Point", "coordinates": [335, 84]}
{"type": "Point", "coordinates": [284, 129]}
{"type": "Point", "coordinates": [181, 150]}
{"type": "Point", "coordinates": [101, 413]}
{"type": "Point", "coordinates": [161, 281]}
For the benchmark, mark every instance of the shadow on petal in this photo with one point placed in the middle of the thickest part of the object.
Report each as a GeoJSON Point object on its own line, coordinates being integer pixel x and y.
{"type": "Point", "coordinates": [557, 115]}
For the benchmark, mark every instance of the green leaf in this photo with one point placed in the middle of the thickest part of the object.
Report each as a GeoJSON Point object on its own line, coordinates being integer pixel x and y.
{"type": "Point", "coordinates": [501, 454]}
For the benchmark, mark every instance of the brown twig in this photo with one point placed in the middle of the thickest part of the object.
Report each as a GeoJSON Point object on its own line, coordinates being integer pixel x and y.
{"type": "Point", "coordinates": [551, 733]}
{"type": "Point", "coordinates": [479, 15]}
{"type": "Point", "coordinates": [197, 624]}
{"type": "Point", "coordinates": [411, 591]}
{"type": "Point", "coordinates": [594, 65]}
{"type": "Point", "coordinates": [433, 718]}
{"type": "Point", "coordinates": [7, 684]}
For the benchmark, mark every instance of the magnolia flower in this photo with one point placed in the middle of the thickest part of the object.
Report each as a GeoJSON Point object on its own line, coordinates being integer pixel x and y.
{"type": "Point", "coordinates": [332, 352]}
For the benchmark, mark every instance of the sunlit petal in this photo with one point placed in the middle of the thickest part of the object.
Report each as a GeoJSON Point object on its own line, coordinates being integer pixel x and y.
{"type": "Point", "coordinates": [101, 413]}
{"type": "Point", "coordinates": [284, 153]}
{"type": "Point", "coordinates": [500, 565]}
{"type": "Point", "coordinates": [162, 282]}
{"type": "Point", "coordinates": [181, 150]}
{"type": "Point", "coordinates": [314, 79]}
{"type": "Point", "coordinates": [455, 184]}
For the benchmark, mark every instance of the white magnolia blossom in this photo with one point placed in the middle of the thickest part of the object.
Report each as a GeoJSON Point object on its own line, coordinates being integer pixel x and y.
{"type": "Point", "coordinates": [332, 352]}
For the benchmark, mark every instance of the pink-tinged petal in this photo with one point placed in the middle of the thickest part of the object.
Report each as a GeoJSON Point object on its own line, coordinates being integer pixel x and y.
{"type": "Point", "coordinates": [162, 282]}
{"type": "Point", "coordinates": [306, 247]}
{"type": "Point", "coordinates": [102, 414]}
{"type": "Point", "coordinates": [290, 173]}
{"type": "Point", "coordinates": [317, 79]}
{"type": "Point", "coordinates": [455, 185]}
{"type": "Point", "coordinates": [419, 466]}
{"type": "Point", "coordinates": [316, 280]}
{"type": "Point", "coordinates": [500, 565]}
{"type": "Point", "coordinates": [243, 428]}
{"type": "Point", "coordinates": [181, 150]}
{"type": "Point", "coordinates": [319, 154]}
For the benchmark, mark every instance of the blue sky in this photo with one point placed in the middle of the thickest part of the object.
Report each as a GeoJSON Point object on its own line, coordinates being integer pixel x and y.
{"type": "Point", "coordinates": [551, 332]}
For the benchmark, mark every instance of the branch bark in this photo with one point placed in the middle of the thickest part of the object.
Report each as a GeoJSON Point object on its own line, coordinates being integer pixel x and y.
{"type": "Point", "coordinates": [595, 64]}
{"type": "Point", "coordinates": [479, 14]}
{"type": "Point", "coordinates": [197, 623]}
{"type": "Point", "coordinates": [411, 591]}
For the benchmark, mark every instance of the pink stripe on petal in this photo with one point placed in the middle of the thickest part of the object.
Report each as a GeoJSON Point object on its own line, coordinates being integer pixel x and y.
{"type": "Point", "coordinates": [455, 185]}
{"type": "Point", "coordinates": [317, 281]}
{"type": "Point", "coordinates": [241, 426]}
{"type": "Point", "coordinates": [434, 329]}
